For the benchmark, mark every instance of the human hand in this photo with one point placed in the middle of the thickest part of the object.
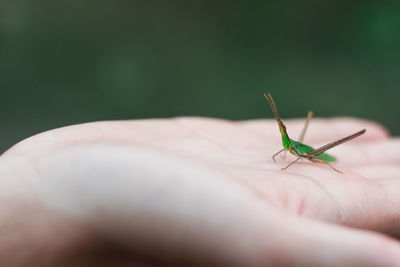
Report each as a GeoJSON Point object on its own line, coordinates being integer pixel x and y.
{"type": "Point", "coordinates": [200, 191]}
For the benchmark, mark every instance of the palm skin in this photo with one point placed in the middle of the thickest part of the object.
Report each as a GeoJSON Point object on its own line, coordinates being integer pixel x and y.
{"type": "Point", "coordinates": [197, 191]}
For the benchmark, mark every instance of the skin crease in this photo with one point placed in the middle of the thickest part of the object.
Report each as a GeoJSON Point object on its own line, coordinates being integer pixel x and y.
{"type": "Point", "coordinates": [199, 192]}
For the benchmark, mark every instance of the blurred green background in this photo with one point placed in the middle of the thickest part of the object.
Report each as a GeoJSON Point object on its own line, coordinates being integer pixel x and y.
{"type": "Point", "coordinates": [67, 62]}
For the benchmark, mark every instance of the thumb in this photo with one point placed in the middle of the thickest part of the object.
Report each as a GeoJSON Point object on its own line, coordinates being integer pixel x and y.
{"type": "Point", "coordinates": [311, 243]}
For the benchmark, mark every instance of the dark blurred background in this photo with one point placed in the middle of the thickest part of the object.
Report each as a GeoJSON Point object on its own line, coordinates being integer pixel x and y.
{"type": "Point", "coordinates": [67, 62]}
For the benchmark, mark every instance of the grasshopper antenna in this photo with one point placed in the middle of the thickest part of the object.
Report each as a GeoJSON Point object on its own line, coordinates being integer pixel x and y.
{"type": "Point", "coordinates": [271, 102]}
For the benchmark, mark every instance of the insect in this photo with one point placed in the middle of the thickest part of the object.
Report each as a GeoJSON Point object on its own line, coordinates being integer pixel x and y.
{"type": "Point", "coordinates": [301, 150]}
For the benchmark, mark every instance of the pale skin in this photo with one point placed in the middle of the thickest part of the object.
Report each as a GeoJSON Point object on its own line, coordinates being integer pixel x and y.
{"type": "Point", "coordinates": [199, 192]}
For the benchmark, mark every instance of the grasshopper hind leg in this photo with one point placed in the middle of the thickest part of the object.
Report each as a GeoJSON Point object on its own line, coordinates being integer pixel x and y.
{"type": "Point", "coordinates": [333, 167]}
{"type": "Point", "coordinates": [314, 158]}
{"type": "Point", "coordinates": [303, 132]}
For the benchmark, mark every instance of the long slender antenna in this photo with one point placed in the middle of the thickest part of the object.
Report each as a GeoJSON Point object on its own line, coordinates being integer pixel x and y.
{"type": "Point", "coordinates": [275, 111]}
{"type": "Point", "coordinates": [309, 116]}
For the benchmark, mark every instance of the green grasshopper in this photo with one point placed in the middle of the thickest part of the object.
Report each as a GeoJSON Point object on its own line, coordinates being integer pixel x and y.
{"type": "Point", "coordinates": [301, 150]}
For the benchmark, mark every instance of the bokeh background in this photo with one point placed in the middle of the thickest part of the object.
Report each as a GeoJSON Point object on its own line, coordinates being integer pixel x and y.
{"type": "Point", "coordinates": [68, 62]}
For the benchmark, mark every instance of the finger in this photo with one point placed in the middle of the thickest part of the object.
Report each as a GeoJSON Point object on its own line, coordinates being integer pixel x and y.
{"type": "Point", "coordinates": [317, 244]}
{"type": "Point", "coordinates": [379, 172]}
{"type": "Point", "coordinates": [372, 153]}
{"type": "Point", "coordinates": [322, 130]}
{"type": "Point", "coordinates": [387, 179]}
{"type": "Point", "coordinates": [183, 133]}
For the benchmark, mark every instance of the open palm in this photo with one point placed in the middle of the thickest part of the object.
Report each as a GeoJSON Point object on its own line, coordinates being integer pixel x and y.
{"type": "Point", "coordinates": [189, 191]}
